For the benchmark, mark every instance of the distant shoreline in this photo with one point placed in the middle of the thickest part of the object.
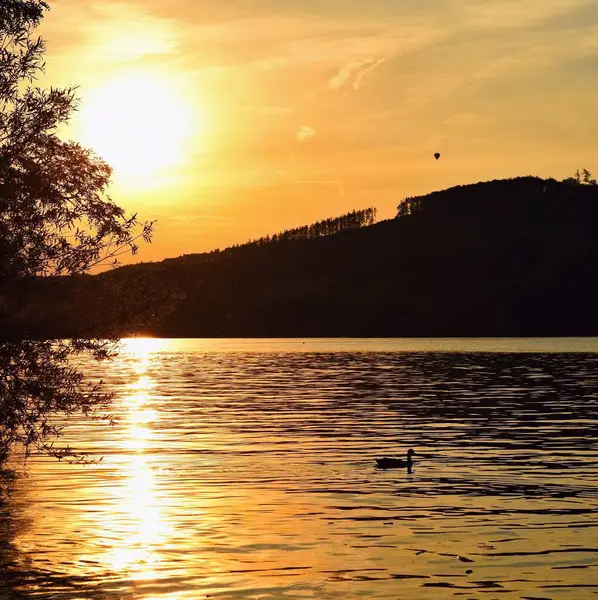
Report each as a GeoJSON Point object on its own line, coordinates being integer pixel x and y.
{"type": "Point", "coordinates": [578, 345]}
{"type": "Point", "coordinates": [506, 258]}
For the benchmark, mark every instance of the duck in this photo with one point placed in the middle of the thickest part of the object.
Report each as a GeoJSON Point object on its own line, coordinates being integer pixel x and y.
{"type": "Point", "coordinates": [396, 463]}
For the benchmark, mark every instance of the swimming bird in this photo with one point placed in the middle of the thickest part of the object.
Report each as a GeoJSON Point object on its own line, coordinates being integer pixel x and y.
{"type": "Point", "coordinates": [396, 463]}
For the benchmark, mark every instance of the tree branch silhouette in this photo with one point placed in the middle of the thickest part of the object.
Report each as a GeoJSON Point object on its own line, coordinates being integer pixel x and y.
{"type": "Point", "coordinates": [56, 219]}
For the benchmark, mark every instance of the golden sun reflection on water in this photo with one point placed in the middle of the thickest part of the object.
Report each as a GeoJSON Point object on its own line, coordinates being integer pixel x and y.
{"type": "Point", "coordinates": [139, 351]}
{"type": "Point", "coordinates": [135, 550]}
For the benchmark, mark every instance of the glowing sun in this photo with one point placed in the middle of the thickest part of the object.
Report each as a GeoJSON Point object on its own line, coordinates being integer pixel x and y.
{"type": "Point", "coordinates": [137, 124]}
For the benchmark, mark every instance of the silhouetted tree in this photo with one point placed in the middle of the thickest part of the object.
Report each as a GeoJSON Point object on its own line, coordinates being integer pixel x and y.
{"type": "Point", "coordinates": [55, 219]}
{"type": "Point", "coordinates": [409, 206]}
{"type": "Point", "coordinates": [352, 220]}
{"type": "Point", "coordinates": [587, 178]}
{"type": "Point", "coordinates": [583, 177]}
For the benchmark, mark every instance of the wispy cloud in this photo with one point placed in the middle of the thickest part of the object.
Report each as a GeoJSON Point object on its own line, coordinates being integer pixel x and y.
{"type": "Point", "coordinates": [111, 32]}
{"type": "Point", "coordinates": [305, 133]}
{"type": "Point", "coordinates": [352, 74]}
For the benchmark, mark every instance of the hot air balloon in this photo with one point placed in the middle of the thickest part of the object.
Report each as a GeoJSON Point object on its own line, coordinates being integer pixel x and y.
{"type": "Point", "coordinates": [437, 155]}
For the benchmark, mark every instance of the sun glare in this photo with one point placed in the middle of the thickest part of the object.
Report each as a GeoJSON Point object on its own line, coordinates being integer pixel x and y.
{"type": "Point", "coordinates": [138, 124]}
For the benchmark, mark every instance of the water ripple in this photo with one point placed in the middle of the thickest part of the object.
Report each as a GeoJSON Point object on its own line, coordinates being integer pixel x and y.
{"type": "Point", "coordinates": [247, 471]}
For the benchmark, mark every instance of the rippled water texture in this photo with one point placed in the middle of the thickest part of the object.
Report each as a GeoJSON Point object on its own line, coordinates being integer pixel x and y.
{"type": "Point", "coordinates": [245, 469]}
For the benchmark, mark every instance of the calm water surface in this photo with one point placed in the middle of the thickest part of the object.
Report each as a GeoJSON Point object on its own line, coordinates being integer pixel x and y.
{"type": "Point", "coordinates": [245, 469]}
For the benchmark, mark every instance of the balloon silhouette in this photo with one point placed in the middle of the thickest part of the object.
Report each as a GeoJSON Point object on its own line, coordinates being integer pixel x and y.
{"type": "Point", "coordinates": [437, 155]}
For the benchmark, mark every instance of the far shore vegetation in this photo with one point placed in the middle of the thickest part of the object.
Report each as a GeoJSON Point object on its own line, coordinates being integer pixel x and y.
{"type": "Point", "coordinates": [512, 257]}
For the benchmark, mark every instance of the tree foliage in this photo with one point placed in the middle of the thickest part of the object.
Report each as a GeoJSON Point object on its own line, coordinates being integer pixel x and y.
{"type": "Point", "coordinates": [583, 177]}
{"type": "Point", "coordinates": [507, 196]}
{"type": "Point", "coordinates": [55, 219]}
{"type": "Point", "coordinates": [352, 220]}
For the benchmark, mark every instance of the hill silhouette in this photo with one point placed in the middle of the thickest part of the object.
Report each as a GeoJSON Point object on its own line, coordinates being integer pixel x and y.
{"type": "Point", "coordinates": [515, 257]}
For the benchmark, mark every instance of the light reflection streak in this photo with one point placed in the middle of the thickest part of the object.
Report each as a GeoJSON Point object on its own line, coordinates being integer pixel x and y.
{"type": "Point", "coordinates": [145, 531]}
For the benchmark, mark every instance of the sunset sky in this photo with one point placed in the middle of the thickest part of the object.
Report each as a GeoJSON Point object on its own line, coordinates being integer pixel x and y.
{"type": "Point", "coordinates": [227, 120]}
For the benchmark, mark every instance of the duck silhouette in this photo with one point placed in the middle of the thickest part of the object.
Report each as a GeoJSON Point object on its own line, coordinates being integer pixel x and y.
{"type": "Point", "coordinates": [396, 463]}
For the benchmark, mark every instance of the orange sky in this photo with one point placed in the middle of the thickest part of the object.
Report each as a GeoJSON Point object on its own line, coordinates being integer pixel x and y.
{"type": "Point", "coordinates": [229, 120]}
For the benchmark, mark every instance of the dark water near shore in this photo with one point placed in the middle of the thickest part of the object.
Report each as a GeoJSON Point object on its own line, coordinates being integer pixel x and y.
{"type": "Point", "coordinates": [245, 469]}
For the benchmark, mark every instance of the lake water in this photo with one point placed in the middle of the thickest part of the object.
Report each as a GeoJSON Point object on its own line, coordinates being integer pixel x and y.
{"type": "Point", "coordinates": [245, 469]}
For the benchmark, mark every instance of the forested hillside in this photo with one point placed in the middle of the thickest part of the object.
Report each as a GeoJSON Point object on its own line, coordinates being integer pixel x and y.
{"type": "Point", "coordinates": [506, 257]}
